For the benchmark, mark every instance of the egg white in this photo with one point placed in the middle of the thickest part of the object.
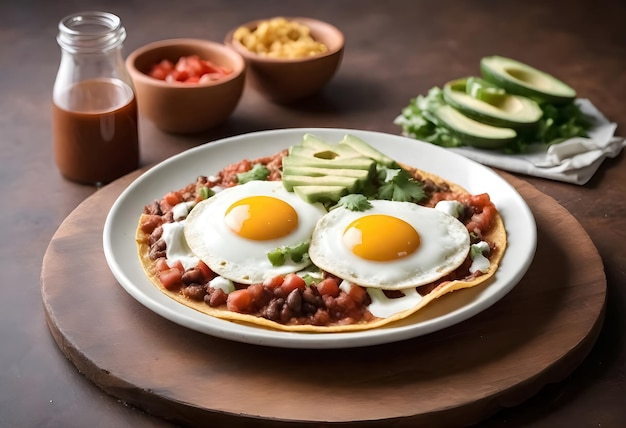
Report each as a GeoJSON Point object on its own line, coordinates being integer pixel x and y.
{"type": "Point", "coordinates": [444, 246]}
{"type": "Point", "coordinates": [239, 259]}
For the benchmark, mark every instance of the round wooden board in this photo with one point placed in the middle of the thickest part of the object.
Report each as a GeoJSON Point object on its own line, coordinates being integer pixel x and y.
{"type": "Point", "coordinates": [536, 335]}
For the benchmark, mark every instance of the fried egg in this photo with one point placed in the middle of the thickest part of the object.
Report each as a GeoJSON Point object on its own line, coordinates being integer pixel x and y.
{"type": "Point", "coordinates": [233, 231]}
{"type": "Point", "coordinates": [392, 245]}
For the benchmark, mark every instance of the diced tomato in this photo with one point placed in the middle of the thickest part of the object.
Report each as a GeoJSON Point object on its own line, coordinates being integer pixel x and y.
{"type": "Point", "coordinates": [239, 300]}
{"type": "Point", "coordinates": [291, 282]}
{"type": "Point", "coordinates": [484, 212]}
{"type": "Point", "coordinates": [149, 222]}
{"type": "Point", "coordinates": [177, 76]}
{"type": "Point", "coordinates": [273, 282]}
{"type": "Point", "coordinates": [481, 200]}
{"type": "Point", "coordinates": [210, 77]}
{"type": "Point", "coordinates": [181, 64]}
{"type": "Point", "coordinates": [255, 291]}
{"type": "Point", "coordinates": [166, 65]}
{"type": "Point", "coordinates": [192, 64]}
{"type": "Point", "coordinates": [178, 265]}
{"type": "Point", "coordinates": [188, 69]}
{"type": "Point", "coordinates": [161, 264]}
{"type": "Point", "coordinates": [328, 286]}
{"type": "Point", "coordinates": [357, 293]}
{"type": "Point", "coordinates": [170, 278]}
{"type": "Point", "coordinates": [159, 73]}
{"type": "Point", "coordinates": [209, 67]}
{"type": "Point", "coordinates": [207, 273]}
{"type": "Point", "coordinates": [172, 198]}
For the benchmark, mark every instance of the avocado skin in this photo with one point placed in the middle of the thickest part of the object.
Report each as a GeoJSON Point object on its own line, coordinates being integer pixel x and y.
{"type": "Point", "coordinates": [512, 85]}
{"type": "Point", "coordinates": [481, 116]}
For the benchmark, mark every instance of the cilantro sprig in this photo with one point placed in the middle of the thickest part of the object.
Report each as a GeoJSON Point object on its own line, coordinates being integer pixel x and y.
{"type": "Point", "coordinates": [388, 184]}
{"type": "Point", "coordinates": [354, 202]}
{"type": "Point", "coordinates": [399, 185]}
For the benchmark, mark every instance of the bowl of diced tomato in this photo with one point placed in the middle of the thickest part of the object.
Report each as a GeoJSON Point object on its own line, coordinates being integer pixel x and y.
{"type": "Point", "coordinates": [186, 85]}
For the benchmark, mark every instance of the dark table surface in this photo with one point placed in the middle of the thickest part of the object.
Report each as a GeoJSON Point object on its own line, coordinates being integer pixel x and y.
{"type": "Point", "coordinates": [395, 50]}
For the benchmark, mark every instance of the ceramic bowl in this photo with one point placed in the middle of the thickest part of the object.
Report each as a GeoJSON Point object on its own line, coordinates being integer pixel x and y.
{"type": "Point", "coordinates": [288, 80]}
{"type": "Point", "coordinates": [186, 107]}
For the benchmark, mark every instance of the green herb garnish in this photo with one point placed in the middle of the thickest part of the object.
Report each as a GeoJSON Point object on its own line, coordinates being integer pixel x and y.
{"type": "Point", "coordinates": [401, 187]}
{"type": "Point", "coordinates": [297, 253]}
{"type": "Point", "coordinates": [354, 202]}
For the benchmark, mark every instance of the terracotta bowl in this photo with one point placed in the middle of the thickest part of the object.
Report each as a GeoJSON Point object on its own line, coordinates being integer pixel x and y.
{"type": "Point", "coordinates": [287, 80]}
{"type": "Point", "coordinates": [186, 107]}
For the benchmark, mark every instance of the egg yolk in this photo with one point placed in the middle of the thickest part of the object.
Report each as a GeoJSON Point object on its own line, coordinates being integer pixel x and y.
{"type": "Point", "coordinates": [381, 238]}
{"type": "Point", "coordinates": [261, 218]}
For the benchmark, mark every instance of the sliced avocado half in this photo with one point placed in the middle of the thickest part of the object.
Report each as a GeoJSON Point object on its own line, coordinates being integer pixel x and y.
{"type": "Point", "coordinates": [320, 193]}
{"type": "Point", "coordinates": [367, 150]}
{"type": "Point", "coordinates": [491, 105]}
{"type": "Point", "coordinates": [303, 158]}
{"type": "Point", "coordinates": [472, 132]}
{"type": "Point", "coordinates": [291, 181]}
{"type": "Point", "coordinates": [518, 78]}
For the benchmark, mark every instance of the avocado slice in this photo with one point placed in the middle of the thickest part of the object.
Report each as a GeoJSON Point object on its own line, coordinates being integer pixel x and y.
{"type": "Point", "coordinates": [315, 171]}
{"type": "Point", "coordinates": [324, 150]}
{"type": "Point", "coordinates": [320, 171]}
{"type": "Point", "coordinates": [497, 109]}
{"type": "Point", "coordinates": [319, 193]}
{"type": "Point", "coordinates": [302, 159]}
{"type": "Point", "coordinates": [367, 150]}
{"type": "Point", "coordinates": [291, 181]}
{"type": "Point", "coordinates": [521, 79]}
{"type": "Point", "coordinates": [472, 132]}
{"type": "Point", "coordinates": [315, 143]}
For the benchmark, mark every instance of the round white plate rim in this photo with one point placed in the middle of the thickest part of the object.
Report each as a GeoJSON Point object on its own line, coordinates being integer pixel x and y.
{"type": "Point", "coordinates": [120, 225]}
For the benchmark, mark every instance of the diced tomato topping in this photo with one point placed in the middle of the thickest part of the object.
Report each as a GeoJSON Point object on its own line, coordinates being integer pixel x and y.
{"type": "Point", "coordinates": [172, 198]}
{"type": "Point", "coordinates": [149, 222]}
{"type": "Point", "coordinates": [239, 300]}
{"type": "Point", "coordinates": [178, 265]}
{"type": "Point", "coordinates": [483, 212]}
{"type": "Point", "coordinates": [171, 278]}
{"type": "Point", "coordinates": [291, 282]}
{"type": "Point", "coordinates": [207, 273]}
{"type": "Point", "coordinates": [357, 293]}
{"type": "Point", "coordinates": [188, 69]}
{"type": "Point", "coordinates": [329, 287]}
{"type": "Point", "coordinates": [255, 291]}
{"type": "Point", "coordinates": [274, 282]}
{"type": "Point", "coordinates": [161, 264]}
{"type": "Point", "coordinates": [177, 76]}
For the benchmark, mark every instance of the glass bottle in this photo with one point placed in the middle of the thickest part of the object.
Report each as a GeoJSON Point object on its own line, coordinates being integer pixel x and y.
{"type": "Point", "coordinates": [94, 118]}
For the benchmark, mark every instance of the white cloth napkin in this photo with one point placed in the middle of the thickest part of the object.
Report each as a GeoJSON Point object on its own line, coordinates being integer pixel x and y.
{"type": "Point", "coordinates": [573, 161]}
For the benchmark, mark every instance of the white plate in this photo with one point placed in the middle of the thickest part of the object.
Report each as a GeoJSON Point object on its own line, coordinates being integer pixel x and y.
{"type": "Point", "coordinates": [208, 159]}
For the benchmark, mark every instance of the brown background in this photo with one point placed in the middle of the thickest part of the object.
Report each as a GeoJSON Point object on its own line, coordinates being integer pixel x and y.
{"type": "Point", "coordinates": [395, 50]}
